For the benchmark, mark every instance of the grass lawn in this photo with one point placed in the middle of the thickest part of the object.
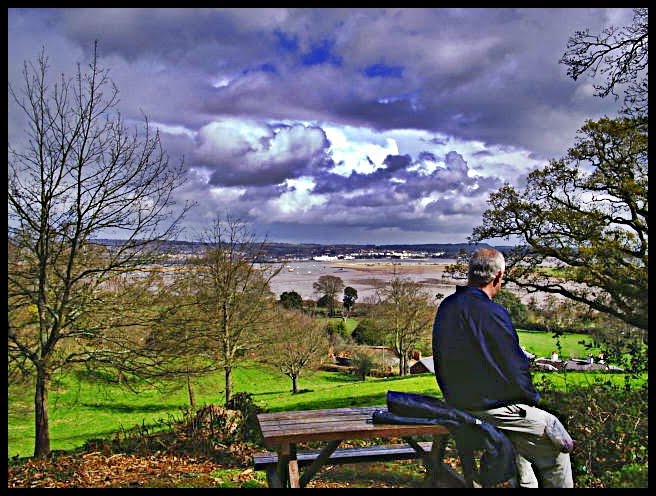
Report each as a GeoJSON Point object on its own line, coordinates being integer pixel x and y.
{"type": "Point", "coordinates": [541, 344]}
{"type": "Point", "coordinates": [80, 410]}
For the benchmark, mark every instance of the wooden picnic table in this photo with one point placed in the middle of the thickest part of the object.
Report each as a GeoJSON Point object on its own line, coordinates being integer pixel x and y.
{"type": "Point", "coordinates": [283, 431]}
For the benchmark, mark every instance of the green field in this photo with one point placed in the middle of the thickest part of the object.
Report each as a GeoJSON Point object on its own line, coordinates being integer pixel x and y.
{"type": "Point", "coordinates": [81, 409]}
{"type": "Point", "coordinates": [541, 344]}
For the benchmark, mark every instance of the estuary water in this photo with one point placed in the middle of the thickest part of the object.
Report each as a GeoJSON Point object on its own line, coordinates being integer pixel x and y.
{"type": "Point", "coordinates": [365, 275]}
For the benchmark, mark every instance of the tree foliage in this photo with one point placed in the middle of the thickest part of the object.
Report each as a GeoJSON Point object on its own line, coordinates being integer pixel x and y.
{"type": "Point", "coordinates": [621, 55]}
{"type": "Point", "coordinates": [512, 303]}
{"type": "Point", "coordinates": [231, 294]}
{"type": "Point", "coordinates": [369, 332]}
{"type": "Point", "coordinates": [291, 300]}
{"type": "Point", "coordinates": [329, 286]}
{"type": "Point", "coordinates": [350, 297]}
{"type": "Point", "coordinates": [587, 212]}
{"type": "Point", "coordinates": [177, 333]}
{"type": "Point", "coordinates": [296, 343]}
{"type": "Point", "coordinates": [79, 173]}
{"type": "Point", "coordinates": [363, 362]}
{"type": "Point", "coordinates": [405, 314]}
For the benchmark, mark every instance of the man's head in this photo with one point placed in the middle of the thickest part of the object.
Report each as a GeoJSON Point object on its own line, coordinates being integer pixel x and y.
{"type": "Point", "coordinates": [486, 268]}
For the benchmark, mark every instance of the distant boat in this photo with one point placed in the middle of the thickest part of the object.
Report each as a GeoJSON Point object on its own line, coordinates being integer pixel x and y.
{"type": "Point", "coordinates": [324, 258]}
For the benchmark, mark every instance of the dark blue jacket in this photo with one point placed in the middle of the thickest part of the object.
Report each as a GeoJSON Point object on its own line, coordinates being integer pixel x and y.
{"type": "Point", "coordinates": [478, 361]}
{"type": "Point", "coordinates": [497, 461]}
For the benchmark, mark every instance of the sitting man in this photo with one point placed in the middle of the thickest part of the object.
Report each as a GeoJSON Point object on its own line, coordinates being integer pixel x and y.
{"type": "Point", "coordinates": [481, 368]}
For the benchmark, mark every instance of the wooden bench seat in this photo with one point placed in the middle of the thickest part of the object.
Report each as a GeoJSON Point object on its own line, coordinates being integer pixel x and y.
{"type": "Point", "coordinates": [376, 453]}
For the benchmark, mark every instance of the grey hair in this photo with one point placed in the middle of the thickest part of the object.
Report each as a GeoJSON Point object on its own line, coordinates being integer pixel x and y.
{"type": "Point", "coordinates": [484, 265]}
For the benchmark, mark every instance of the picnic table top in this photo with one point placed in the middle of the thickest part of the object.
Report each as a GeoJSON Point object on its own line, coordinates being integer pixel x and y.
{"type": "Point", "coordinates": [334, 424]}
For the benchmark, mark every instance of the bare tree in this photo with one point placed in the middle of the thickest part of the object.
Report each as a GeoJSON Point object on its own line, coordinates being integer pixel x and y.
{"type": "Point", "coordinates": [297, 342]}
{"type": "Point", "coordinates": [621, 54]}
{"type": "Point", "coordinates": [80, 173]}
{"type": "Point", "coordinates": [175, 334]}
{"type": "Point", "coordinates": [406, 314]}
{"type": "Point", "coordinates": [231, 296]}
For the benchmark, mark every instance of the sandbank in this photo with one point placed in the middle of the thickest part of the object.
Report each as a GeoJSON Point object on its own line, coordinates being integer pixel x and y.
{"type": "Point", "coordinates": [389, 266]}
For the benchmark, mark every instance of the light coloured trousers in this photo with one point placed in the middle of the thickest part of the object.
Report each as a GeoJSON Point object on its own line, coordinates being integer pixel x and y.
{"type": "Point", "coordinates": [525, 427]}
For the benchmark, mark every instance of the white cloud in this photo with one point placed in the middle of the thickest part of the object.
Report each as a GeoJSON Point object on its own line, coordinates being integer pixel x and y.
{"type": "Point", "coordinates": [174, 130]}
{"type": "Point", "coordinates": [358, 150]}
{"type": "Point", "coordinates": [296, 201]}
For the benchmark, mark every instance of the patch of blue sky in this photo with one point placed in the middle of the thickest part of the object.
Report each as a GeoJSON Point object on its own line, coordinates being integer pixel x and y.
{"type": "Point", "coordinates": [266, 67]}
{"type": "Point", "coordinates": [285, 42]}
{"type": "Point", "coordinates": [321, 53]}
{"type": "Point", "coordinates": [383, 70]}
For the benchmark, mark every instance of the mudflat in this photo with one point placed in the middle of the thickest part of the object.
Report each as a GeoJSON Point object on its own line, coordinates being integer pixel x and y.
{"type": "Point", "coordinates": [366, 276]}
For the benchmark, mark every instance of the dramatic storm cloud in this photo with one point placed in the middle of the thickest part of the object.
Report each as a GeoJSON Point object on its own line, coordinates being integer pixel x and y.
{"type": "Point", "coordinates": [335, 125]}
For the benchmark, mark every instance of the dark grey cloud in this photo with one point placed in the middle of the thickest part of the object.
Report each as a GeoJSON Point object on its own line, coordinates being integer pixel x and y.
{"type": "Point", "coordinates": [351, 124]}
{"type": "Point", "coordinates": [260, 154]}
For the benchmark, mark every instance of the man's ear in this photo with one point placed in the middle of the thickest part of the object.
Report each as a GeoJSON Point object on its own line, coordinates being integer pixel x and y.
{"type": "Point", "coordinates": [497, 279]}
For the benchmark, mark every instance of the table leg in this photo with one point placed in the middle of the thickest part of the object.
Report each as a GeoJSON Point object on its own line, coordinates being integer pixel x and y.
{"type": "Point", "coordinates": [417, 447]}
{"type": "Point", "coordinates": [273, 478]}
{"type": "Point", "coordinates": [318, 463]}
{"type": "Point", "coordinates": [439, 473]}
{"type": "Point", "coordinates": [437, 452]}
{"type": "Point", "coordinates": [293, 468]}
{"type": "Point", "coordinates": [283, 464]}
{"type": "Point", "coordinates": [288, 465]}
{"type": "Point", "coordinates": [466, 455]}
{"type": "Point", "coordinates": [436, 457]}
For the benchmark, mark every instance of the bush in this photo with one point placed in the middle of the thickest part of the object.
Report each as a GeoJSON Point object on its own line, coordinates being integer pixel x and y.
{"type": "Point", "coordinates": [249, 428]}
{"type": "Point", "coordinates": [363, 363]}
{"type": "Point", "coordinates": [609, 424]}
{"type": "Point", "coordinates": [368, 332]}
{"type": "Point", "coordinates": [334, 329]}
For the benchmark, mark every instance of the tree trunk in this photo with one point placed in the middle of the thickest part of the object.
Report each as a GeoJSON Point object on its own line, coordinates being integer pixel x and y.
{"type": "Point", "coordinates": [42, 429]}
{"type": "Point", "coordinates": [294, 384]}
{"type": "Point", "coordinates": [228, 385]}
{"type": "Point", "coordinates": [190, 390]}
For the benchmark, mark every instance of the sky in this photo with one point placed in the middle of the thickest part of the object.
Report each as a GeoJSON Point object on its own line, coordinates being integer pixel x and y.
{"type": "Point", "coordinates": [336, 125]}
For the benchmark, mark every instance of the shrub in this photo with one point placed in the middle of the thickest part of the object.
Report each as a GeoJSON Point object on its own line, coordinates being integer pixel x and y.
{"type": "Point", "coordinates": [363, 363]}
{"type": "Point", "coordinates": [249, 428]}
{"type": "Point", "coordinates": [368, 332]}
{"type": "Point", "coordinates": [609, 424]}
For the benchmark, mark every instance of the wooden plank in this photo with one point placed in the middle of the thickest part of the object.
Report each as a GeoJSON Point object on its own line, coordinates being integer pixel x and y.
{"type": "Point", "coordinates": [320, 413]}
{"type": "Point", "coordinates": [312, 420]}
{"type": "Point", "coordinates": [348, 455]}
{"type": "Point", "coordinates": [273, 438]}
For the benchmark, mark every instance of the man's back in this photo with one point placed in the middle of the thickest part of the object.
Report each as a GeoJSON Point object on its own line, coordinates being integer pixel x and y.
{"type": "Point", "coordinates": [478, 361]}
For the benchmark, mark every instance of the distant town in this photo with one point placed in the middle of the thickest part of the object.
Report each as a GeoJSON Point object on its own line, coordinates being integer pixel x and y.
{"type": "Point", "coordinates": [288, 252]}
